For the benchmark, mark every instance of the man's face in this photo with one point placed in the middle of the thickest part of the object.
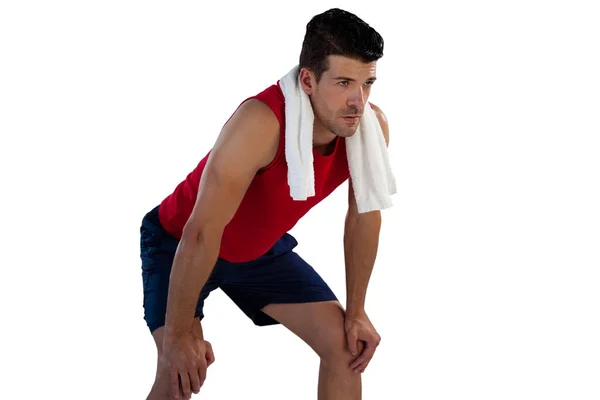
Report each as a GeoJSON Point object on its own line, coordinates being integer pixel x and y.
{"type": "Point", "coordinates": [340, 97]}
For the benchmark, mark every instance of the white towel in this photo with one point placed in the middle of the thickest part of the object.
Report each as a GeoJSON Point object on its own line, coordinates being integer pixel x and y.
{"type": "Point", "coordinates": [366, 151]}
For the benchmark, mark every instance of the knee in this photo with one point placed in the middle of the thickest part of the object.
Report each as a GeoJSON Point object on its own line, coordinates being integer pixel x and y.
{"type": "Point", "coordinates": [161, 390]}
{"type": "Point", "coordinates": [337, 354]}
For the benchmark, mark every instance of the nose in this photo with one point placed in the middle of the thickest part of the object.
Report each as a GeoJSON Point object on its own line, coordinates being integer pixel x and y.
{"type": "Point", "coordinates": [357, 99]}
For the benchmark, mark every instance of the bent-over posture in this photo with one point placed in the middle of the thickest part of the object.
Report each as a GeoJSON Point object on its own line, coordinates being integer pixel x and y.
{"type": "Point", "coordinates": [226, 225]}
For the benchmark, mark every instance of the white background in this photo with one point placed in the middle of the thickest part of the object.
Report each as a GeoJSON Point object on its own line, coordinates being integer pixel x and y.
{"type": "Point", "coordinates": [486, 284]}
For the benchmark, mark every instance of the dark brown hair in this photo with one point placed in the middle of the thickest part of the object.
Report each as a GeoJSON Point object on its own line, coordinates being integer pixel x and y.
{"type": "Point", "coordinates": [338, 32]}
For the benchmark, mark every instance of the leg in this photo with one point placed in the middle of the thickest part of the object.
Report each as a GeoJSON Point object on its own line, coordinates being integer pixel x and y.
{"type": "Point", "coordinates": [321, 326]}
{"type": "Point", "coordinates": [157, 251]}
{"type": "Point", "coordinates": [281, 287]}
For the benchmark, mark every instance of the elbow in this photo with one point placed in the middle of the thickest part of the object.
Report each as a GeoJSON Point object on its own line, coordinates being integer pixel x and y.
{"type": "Point", "coordinates": [353, 216]}
{"type": "Point", "coordinates": [369, 222]}
{"type": "Point", "coordinates": [206, 235]}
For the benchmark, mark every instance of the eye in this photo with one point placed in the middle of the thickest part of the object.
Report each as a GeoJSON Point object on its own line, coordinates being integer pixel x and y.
{"type": "Point", "coordinates": [370, 83]}
{"type": "Point", "coordinates": [344, 83]}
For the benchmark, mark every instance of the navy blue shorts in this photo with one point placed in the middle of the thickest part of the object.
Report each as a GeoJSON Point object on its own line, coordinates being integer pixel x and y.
{"type": "Point", "coordinates": [279, 276]}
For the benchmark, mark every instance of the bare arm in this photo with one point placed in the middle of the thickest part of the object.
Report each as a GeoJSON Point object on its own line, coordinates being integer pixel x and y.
{"type": "Point", "coordinates": [361, 241]}
{"type": "Point", "coordinates": [247, 143]}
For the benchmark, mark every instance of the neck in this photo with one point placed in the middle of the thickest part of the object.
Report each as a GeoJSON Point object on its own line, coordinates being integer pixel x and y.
{"type": "Point", "coordinates": [322, 137]}
{"type": "Point", "coordinates": [323, 141]}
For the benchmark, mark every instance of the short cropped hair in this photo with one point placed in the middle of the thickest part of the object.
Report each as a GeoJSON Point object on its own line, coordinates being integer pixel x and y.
{"type": "Point", "coordinates": [338, 32]}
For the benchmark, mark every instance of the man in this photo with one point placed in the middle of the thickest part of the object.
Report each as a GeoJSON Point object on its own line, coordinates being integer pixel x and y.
{"type": "Point", "coordinates": [226, 225]}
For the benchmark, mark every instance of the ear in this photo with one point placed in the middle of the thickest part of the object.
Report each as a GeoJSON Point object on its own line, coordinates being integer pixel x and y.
{"type": "Point", "coordinates": [307, 80]}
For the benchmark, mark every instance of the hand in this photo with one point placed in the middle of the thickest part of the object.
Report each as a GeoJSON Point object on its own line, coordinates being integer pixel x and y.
{"type": "Point", "coordinates": [359, 328]}
{"type": "Point", "coordinates": [187, 358]}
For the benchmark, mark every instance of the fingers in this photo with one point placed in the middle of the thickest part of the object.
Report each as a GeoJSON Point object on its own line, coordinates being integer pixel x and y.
{"type": "Point", "coordinates": [360, 363]}
{"type": "Point", "coordinates": [201, 376]}
{"type": "Point", "coordinates": [185, 384]}
{"type": "Point", "coordinates": [352, 337]}
{"type": "Point", "coordinates": [197, 375]}
{"type": "Point", "coordinates": [174, 383]}
{"type": "Point", "coordinates": [196, 379]}
{"type": "Point", "coordinates": [210, 355]}
{"type": "Point", "coordinates": [202, 371]}
{"type": "Point", "coordinates": [192, 375]}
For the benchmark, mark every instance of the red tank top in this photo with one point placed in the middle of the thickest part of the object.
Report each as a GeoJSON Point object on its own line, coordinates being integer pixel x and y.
{"type": "Point", "coordinates": [267, 210]}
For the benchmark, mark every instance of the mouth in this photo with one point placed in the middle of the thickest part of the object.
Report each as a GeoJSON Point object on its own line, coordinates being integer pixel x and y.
{"type": "Point", "coordinates": [352, 118]}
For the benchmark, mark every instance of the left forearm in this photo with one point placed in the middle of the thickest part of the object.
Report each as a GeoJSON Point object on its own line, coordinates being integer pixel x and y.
{"type": "Point", "coordinates": [361, 240]}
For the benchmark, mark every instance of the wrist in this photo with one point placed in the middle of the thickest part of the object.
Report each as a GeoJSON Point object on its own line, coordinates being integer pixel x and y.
{"type": "Point", "coordinates": [173, 332]}
{"type": "Point", "coordinates": [355, 311]}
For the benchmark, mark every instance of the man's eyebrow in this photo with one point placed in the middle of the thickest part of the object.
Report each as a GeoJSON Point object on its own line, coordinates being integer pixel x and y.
{"type": "Point", "coordinates": [345, 78]}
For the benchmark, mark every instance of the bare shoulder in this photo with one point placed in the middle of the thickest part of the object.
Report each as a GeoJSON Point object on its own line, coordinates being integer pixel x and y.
{"type": "Point", "coordinates": [383, 122]}
{"type": "Point", "coordinates": [255, 110]}
{"type": "Point", "coordinates": [252, 120]}
{"type": "Point", "coordinates": [253, 128]}
{"type": "Point", "coordinates": [248, 142]}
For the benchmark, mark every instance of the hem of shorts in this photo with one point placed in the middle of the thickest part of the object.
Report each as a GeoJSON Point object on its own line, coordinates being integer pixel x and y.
{"type": "Point", "coordinates": [260, 318]}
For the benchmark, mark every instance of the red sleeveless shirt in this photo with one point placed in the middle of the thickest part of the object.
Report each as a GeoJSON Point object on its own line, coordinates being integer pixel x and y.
{"type": "Point", "coordinates": [267, 210]}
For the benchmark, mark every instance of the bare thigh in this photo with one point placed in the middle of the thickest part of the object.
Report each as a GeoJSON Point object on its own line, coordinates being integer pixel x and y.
{"type": "Point", "coordinates": [318, 324]}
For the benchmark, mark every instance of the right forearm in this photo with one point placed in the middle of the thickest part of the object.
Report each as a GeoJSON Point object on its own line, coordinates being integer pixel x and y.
{"type": "Point", "coordinates": [193, 263]}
